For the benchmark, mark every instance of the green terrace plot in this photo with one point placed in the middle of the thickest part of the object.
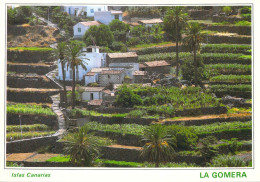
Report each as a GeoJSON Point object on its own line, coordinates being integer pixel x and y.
{"type": "Point", "coordinates": [164, 100]}
{"type": "Point", "coordinates": [231, 88]}
{"type": "Point", "coordinates": [226, 48]}
{"type": "Point", "coordinates": [30, 49]}
{"type": "Point", "coordinates": [29, 109]}
{"type": "Point", "coordinates": [215, 58]}
{"type": "Point", "coordinates": [18, 135]}
{"type": "Point", "coordinates": [228, 69]}
{"type": "Point", "coordinates": [231, 78]}
{"type": "Point", "coordinates": [164, 56]}
{"type": "Point", "coordinates": [34, 127]}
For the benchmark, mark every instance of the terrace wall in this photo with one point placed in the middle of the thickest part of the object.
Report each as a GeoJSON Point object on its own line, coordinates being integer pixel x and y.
{"type": "Point", "coordinates": [38, 69]}
{"type": "Point", "coordinates": [241, 30]}
{"type": "Point", "coordinates": [30, 145]}
{"type": "Point", "coordinates": [215, 39]}
{"type": "Point", "coordinates": [228, 19]}
{"type": "Point", "coordinates": [28, 56]}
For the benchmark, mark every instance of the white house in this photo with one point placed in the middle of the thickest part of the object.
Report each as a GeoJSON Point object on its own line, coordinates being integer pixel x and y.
{"type": "Point", "coordinates": [151, 22]}
{"type": "Point", "coordinates": [85, 11]}
{"type": "Point", "coordinates": [92, 58]}
{"type": "Point", "coordinates": [91, 93]}
{"type": "Point", "coordinates": [80, 28]}
{"type": "Point", "coordinates": [110, 77]}
{"type": "Point", "coordinates": [106, 17]}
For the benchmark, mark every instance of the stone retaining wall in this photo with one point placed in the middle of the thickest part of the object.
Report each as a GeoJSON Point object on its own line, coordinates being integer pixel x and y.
{"type": "Point", "coordinates": [13, 119]}
{"type": "Point", "coordinates": [28, 56]}
{"type": "Point", "coordinates": [245, 95]}
{"type": "Point", "coordinates": [38, 69]}
{"type": "Point", "coordinates": [241, 30]}
{"type": "Point", "coordinates": [224, 18]}
{"type": "Point", "coordinates": [30, 145]}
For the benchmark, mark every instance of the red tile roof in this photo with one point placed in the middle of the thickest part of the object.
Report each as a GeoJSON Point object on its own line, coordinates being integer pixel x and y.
{"type": "Point", "coordinates": [90, 23]}
{"type": "Point", "coordinates": [156, 63]}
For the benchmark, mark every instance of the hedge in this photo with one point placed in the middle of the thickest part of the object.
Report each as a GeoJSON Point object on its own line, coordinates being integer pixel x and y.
{"type": "Point", "coordinates": [225, 48]}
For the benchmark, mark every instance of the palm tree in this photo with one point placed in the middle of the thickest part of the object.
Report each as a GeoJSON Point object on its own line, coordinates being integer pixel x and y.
{"type": "Point", "coordinates": [158, 145]}
{"type": "Point", "coordinates": [192, 40]}
{"type": "Point", "coordinates": [74, 61]}
{"type": "Point", "coordinates": [178, 19]}
{"type": "Point", "coordinates": [82, 147]}
{"type": "Point", "coordinates": [59, 53]}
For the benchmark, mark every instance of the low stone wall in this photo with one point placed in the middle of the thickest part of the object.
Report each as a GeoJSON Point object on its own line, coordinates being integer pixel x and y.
{"type": "Point", "coordinates": [38, 69]}
{"type": "Point", "coordinates": [241, 30]}
{"type": "Point", "coordinates": [28, 56]}
{"type": "Point", "coordinates": [199, 14]}
{"type": "Point", "coordinates": [13, 119]}
{"type": "Point", "coordinates": [30, 145]}
{"type": "Point", "coordinates": [202, 111]}
{"type": "Point", "coordinates": [215, 39]}
{"type": "Point", "coordinates": [228, 19]}
{"type": "Point", "coordinates": [48, 164]}
{"type": "Point", "coordinates": [30, 96]}
{"type": "Point", "coordinates": [111, 110]}
{"type": "Point", "coordinates": [245, 95]}
{"type": "Point", "coordinates": [116, 120]}
{"type": "Point", "coordinates": [29, 82]}
{"type": "Point", "coordinates": [208, 121]}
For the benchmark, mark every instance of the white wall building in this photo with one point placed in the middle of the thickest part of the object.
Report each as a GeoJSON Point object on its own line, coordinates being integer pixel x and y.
{"type": "Point", "coordinates": [91, 93]}
{"type": "Point", "coordinates": [85, 11]}
{"type": "Point", "coordinates": [93, 59]}
{"type": "Point", "coordinates": [80, 28]}
{"type": "Point", "coordinates": [106, 17]}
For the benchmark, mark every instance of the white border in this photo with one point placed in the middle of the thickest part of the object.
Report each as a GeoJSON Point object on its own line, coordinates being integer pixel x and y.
{"type": "Point", "coordinates": [113, 174]}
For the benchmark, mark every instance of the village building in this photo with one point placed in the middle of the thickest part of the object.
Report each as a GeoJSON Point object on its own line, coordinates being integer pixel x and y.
{"type": "Point", "coordinates": [140, 77]}
{"type": "Point", "coordinates": [106, 17]}
{"type": "Point", "coordinates": [91, 93]}
{"type": "Point", "coordinates": [92, 59]}
{"type": "Point", "coordinates": [80, 28]}
{"type": "Point", "coordinates": [150, 22]}
{"type": "Point", "coordinates": [92, 76]}
{"type": "Point", "coordinates": [127, 61]}
{"type": "Point", "coordinates": [156, 67]}
{"type": "Point", "coordinates": [85, 11]}
{"type": "Point", "coordinates": [110, 77]}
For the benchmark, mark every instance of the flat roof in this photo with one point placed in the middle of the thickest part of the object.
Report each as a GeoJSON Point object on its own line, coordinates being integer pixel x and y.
{"type": "Point", "coordinates": [90, 23]}
{"type": "Point", "coordinates": [156, 63]}
{"type": "Point", "coordinates": [92, 89]}
{"type": "Point", "coordinates": [111, 72]}
{"type": "Point", "coordinates": [98, 70]}
{"type": "Point", "coordinates": [122, 55]}
{"type": "Point", "coordinates": [151, 21]}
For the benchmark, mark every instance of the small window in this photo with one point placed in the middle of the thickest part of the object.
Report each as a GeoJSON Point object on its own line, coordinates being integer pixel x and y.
{"type": "Point", "coordinates": [85, 13]}
{"type": "Point", "coordinates": [79, 29]}
{"type": "Point", "coordinates": [91, 10]}
{"type": "Point", "coordinates": [89, 49]}
{"type": "Point", "coordinates": [108, 76]}
{"type": "Point", "coordinates": [99, 9]}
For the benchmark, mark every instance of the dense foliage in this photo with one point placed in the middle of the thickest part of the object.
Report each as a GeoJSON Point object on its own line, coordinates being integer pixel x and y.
{"type": "Point", "coordinates": [227, 161]}
{"type": "Point", "coordinates": [225, 48]}
{"type": "Point", "coordinates": [19, 15]}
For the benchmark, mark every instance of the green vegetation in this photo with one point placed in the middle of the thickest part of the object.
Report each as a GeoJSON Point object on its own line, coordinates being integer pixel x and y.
{"type": "Point", "coordinates": [231, 88]}
{"type": "Point", "coordinates": [19, 15]}
{"type": "Point", "coordinates": [231, 78]}
{"type": "Point", "coordinates": [13, 164]}
{"type": "Point", "coordinates": [113, 163]}
{"type": "Point", "coordinates": [38, 49]}
{"type": "Point", "coordinates": [164, 56]}
{"type": "Point", "coordinates": [239, 110]}
{"type": "Point", "coordinates": [244, 23]}
{"type": "Point", "coordinates": [227, 161]}
{"type": "Point", "coordinates": [59, 158]}
{"type": "Point", "coordinates": [215, 58]}
{"type": "Point", "coordinates": [227, 69]}
{"type": "Point", "coordinates": [123, 128]}
{"type": "Point", "coordinates": [220, 126]}
{"type": "Point", "coordinates": [17, 135]}
{"type": "Point", "coordinates": [144, 11]}
{"type": "Point", "coordinates": [149, 46]}
{"type": "Point", "coordinates": [29, 109]}
{"type": "Point", "coordinates": [225, 48]}
{"type": "Point", "coordinates": [171, 164]}
{"type": "Point", "coordinates": [34, 127]}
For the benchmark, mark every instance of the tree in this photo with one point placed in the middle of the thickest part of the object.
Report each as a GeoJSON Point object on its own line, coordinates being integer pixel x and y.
{"type": "Point", "coordinates": [98, 35]}
{"type": "Point", "coordinates": [82, 146]}
{"type": "Point", "coordinates": [59, 53]}
{"type": "Point", "coordinates": [192, 40]}
{"type": "Point", "coordinates": [158, 145]}
{"type": "Point", "coordinates": [127, 98]}
{"type": "Point", "coordinates": [176, 19]}
{"type": "Point", "coordinates": [119, 29]}
{"type": "Point", "coordinates": [73, 54]}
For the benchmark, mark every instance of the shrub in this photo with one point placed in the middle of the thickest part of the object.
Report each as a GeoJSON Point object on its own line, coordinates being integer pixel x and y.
{"type": "Point", "coordinates": [227, 10]}
{"type": "Point", "coordinates": [69, 96]}
{"type": "Point", "coordinates": [244, 23]}
{"type": "Point", "coordinates": [227, 161]}
{"type": "Point", "coordinates": [118, 46]}
{"type": "Point", "coordinates": [137, 113]}
{"type": "Point", "coordinates": [207, 150]}
{"type": "Point", "coordinates": [184, 136]}
{"type": "Point", "coordinates": [127, 98]}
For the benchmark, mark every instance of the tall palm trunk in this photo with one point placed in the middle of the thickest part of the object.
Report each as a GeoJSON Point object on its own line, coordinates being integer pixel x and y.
{"type": "Point", "coordinates": [177, 47]}
{"type": "Point", "coordinates": [157, 158]}
{"type": "Point", "coordinates": [73, 86]}
{"type": "Point", "coordinates": [195, 64]}
{"type": "Point", "coordinates": [64, 82]}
